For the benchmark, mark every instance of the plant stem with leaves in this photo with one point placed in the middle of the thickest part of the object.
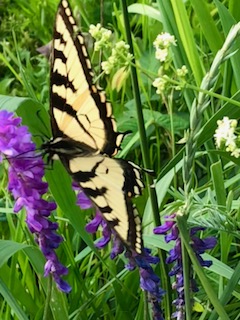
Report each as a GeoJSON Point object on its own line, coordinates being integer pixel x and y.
{"type": "Point", "coordinates": [199, 106]}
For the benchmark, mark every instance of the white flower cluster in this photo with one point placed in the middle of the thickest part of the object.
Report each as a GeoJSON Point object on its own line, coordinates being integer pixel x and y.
{"type": "Point", "coordinates": [160, 84]}
{"type": "Point", "coordinates": [164, 40]}
{"type": "Point", "coordinates": [225, 136]}
{"type": "Point", "coordinates": [101, 36]}
{"type": "Point", "coordinates": [120, 56]}
{"type": "Point", "coordinates": [181, 72]}
{"type": "Point", "coordinates": [162, 44]}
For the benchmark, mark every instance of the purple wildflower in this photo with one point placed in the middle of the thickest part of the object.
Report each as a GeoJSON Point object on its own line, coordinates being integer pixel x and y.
{"type": "Point", "coordinates": [149, 281]}
{"type": "Point", "coordinates": [26, 170]}
{"type": "Point", "coordinates": [170, 229]}
{"type": "Point", "coordinates": [85, 203]}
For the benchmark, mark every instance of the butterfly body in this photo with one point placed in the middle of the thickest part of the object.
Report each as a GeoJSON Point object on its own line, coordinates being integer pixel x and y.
{"type": "Point", "coordinates": [85, 136]}
{"type": "Point", "coordinates": [65, 147]}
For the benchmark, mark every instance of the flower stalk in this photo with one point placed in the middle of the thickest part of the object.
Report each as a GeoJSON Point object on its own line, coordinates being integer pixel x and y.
{"type": "Point", "coordinates": [184, 283]}
{"type": "Point", "coordinates": [197, 267]}
{"type": "Point", "coordinates": [199, 106]}
{"type": "Point", "coordinates": [25, 173]}
{"type": "Point", "coordinates": [149, 281]}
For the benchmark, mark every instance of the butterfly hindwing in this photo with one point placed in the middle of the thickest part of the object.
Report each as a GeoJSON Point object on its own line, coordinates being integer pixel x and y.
{"type": "Point", "coordinates": [78, 107]}
{"type": "Point", "coordinates": [110, 184]}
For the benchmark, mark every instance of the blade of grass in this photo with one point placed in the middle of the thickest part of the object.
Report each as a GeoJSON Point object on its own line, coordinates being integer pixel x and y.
{"type": "Point", "coordinates": [234, 9]}
{"type": "Point", "coordinates": [187, 39]}
{"type": "Point", "coordinates": [208, 25]}
{"type": "Point", "coordinates": [225, 239]}
{"type": "Point", "coordinates": [228, 21]}
{"type": "Point", "coordinates": [227, 294]}
{"type": "Point", "coordinates": [12, 301]}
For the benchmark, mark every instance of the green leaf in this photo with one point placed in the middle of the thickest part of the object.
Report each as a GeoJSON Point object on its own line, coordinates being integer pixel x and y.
{"type": "Point", "coordinates": [218, 182]}
{"type": "Point", "coordinates": [187, 39]}
{"type": "Point", "coordinates": [32, 113]}
{"type": "Point", "coordinates": [146, 10]}
{"type": "Point", "coordinates": [9, 248]}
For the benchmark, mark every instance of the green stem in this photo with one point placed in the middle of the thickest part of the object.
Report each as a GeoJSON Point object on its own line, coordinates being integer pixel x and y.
{"type": "Point", "coordinates": [145, 312]}
{"type": "Point", "coordinates": [199, 106]}
{"type": "Point", "coordinates": [145, 153]}
{"type": "Point", "coordinates": [141, 127]}
{"type": "Point", "coordinates": [187, 285]}
{"type": "Point", "coordinates": [46, 314]}
{"type": "Point", "coordinates": [170, 112]}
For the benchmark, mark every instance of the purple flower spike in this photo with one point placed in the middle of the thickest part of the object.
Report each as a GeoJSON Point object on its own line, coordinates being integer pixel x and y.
{"type": "Point", "coordinates": [149, 281]}
{"type": "Point", "coordinates": [170, 229]}
{"type": "Point", "coordinates": [26, 170]}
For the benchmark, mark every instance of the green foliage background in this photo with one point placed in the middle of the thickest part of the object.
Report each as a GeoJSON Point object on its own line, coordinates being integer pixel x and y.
{"type": "Point", "coordinates": [102, 289]}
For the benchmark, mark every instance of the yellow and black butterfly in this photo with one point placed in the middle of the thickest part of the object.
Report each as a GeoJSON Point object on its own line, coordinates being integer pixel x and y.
{"type": "Point", "coordinates": [85, 136]}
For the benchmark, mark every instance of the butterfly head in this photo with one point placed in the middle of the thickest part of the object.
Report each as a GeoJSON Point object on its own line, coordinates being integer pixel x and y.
{"type": "Point", "coordinates": [50, 149]}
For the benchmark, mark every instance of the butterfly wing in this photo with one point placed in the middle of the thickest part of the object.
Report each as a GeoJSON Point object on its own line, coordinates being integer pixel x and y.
{"type": "Point", "coordinates": [79, 109]}
{"type": "Point", "coordinates": [82, 123]}
{"type": "Point", "coordinates": [110, 184]}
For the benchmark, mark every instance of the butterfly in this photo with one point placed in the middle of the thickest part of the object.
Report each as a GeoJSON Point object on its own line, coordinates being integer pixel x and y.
{"type": "Point", "coordinates": [84, 132]}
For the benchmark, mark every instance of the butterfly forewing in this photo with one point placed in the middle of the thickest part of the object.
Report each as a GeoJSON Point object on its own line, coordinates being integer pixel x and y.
{"type": "Point", "coordinates": [79, 109]}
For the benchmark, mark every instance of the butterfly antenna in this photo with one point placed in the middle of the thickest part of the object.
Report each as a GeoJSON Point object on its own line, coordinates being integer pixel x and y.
{"type": "Point", "coordinates": [48, 165]}
{"type": "Point", "coordinates": [43, 134]}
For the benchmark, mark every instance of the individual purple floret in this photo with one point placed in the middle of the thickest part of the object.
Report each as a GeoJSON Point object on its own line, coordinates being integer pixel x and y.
{"type": "Point", "coordinates": [25, 172]}
{"type": "Point", "coordinates": [170, 229]}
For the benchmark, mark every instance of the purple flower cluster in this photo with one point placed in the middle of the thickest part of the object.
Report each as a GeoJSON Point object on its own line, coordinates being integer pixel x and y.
{"type": "Point", "coordinates": [26, 170]}
{"type": "Point", "coordinates": [149, 281]}
{"type": "Point", "coordinates": [170, 229]}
